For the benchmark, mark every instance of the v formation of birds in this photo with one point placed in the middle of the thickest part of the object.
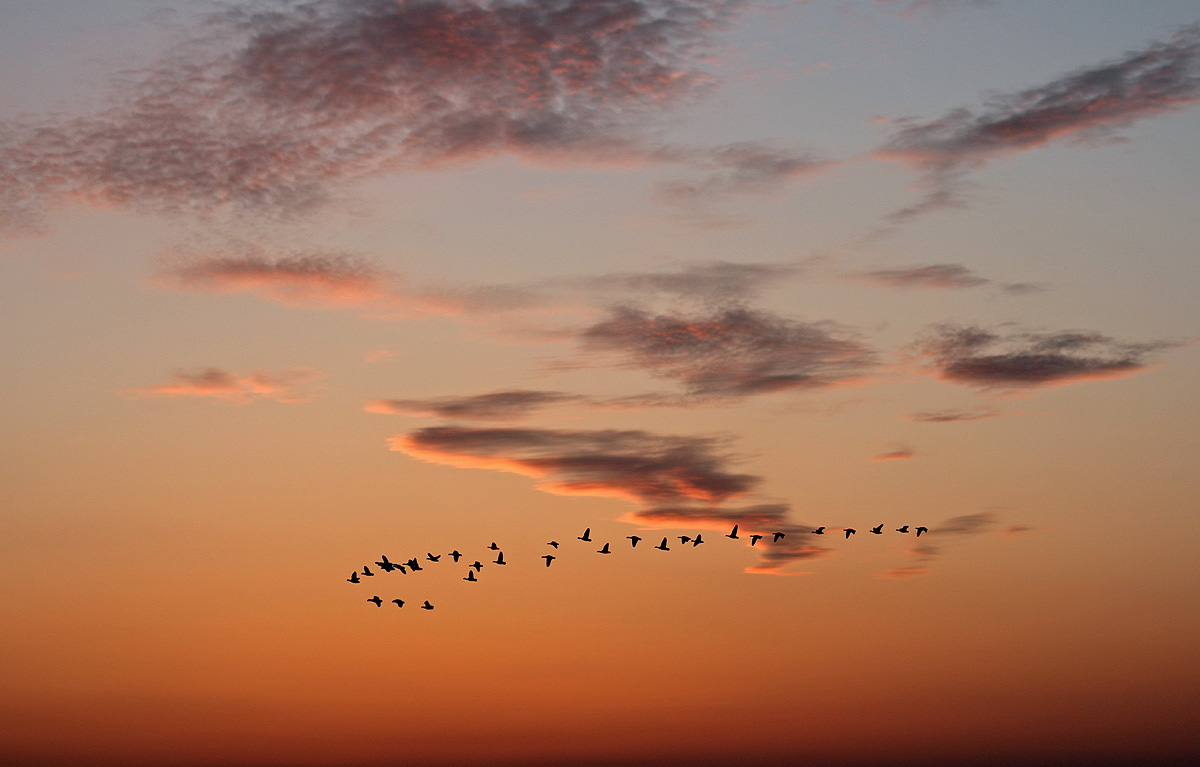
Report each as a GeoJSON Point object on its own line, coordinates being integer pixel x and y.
{"type": "Point", "coordinates": [474, 568]}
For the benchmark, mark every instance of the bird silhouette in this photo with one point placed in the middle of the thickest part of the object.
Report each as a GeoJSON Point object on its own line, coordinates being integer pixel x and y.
{"type": "Point", "coordinates": [455, 556]}
{"type": "Point", "coordinates": [432, 557]}
{"type": "Point", "coordinates": [398, 602]}
{"type": "Point", "coordinates": [684, 538]}
{"type": "Point", "coordinates": [353, 577]}
{"type": "Point", "coordinates": [819, 531]}
{"type": "Point", "coordinates": [367, 572]}
{"type": "Point", "coordinates": [902, 529]}
{"type": "Point", "coordinates": [850, 531]}
{"type": "Point", "coordinates": [587, 535]}
{"type": "Point", "coordinates": [385, 565]}
{"type": "Point", "coordinates": [776, 537]}
{"type": "Point", "coordinates": [733, 533]}
{"type": "Point", "coordinates": [549, 558]}
{"type": "Point", "coordinates": [413, 564]}
{"type": "Point", "coordinates": [552, 543]}
{"type": "Point", "coordinates": [663, 546]}
{"type": "Point", "coordinates": [401, 569]}
{"type": "Point", "coordinates": [699, 539]}
{"type": "Point", "coordinates": [426, 606]}
{"type": "Point", "coordinates": [635, 539]}
{"type": "Point", "coordinates": [378, 602]}
{"type": "Point", "coordinates": [476, 565]}
{"type": "Point", "coordinates": [604, 550]}
{"type": "Point", "coordinates": [470, 576]}
{"type": "Point", "coordinates": [754, 538]}
{"type": "Point", "coordinates": [500, 559]}
{"type": "Point", "coordinates": [878, 529]}
{"type": "Point", "coordinates": [922, 530]}
{"type": "Point", "coordinates": [494, 547]}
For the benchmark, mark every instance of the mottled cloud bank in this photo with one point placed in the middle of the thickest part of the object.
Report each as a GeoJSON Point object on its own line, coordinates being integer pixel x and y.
{"type": "Point", "coordinates": [731, 352]}
{"type": "Point", "coordinates": [283, 386]}
{"type": "Point", "coordinates": [635, 465]}
{"type": "Point", "coordinates": [1161, 78]}
{"type": "Point", "coordinates": [982, 358]}
{"type": "Point", "coordinates": [499, 406]}
{"type": "Point", "coordinates": [273, 105]}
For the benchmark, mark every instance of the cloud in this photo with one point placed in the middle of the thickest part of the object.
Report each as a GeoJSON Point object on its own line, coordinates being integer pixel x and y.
{"type": "Point", "coordinates": [732, 352]}
{"type": "Point", "coordinates": [912, 8]}
{"type": "Point", "coordinates": [1164, 77]}
{"type": "Point", "coordinates": [938, 276]}
{"type": "Point", "coordinates": [283, 386]}
{"type": "Point", "coordinates": [978, 357]}
{"type": "Point", "coordinates": [713, 282]}
{"type": "Point", "coordinates": [743, 168]}
{"type": "Point", "coordinates": [501, 405]}
{"type": "Point", "coordinates": [899, 454]}
{"type": "Point", "coordinates": [953, 415]}
{"type": "Point", "coordinates": [635, 465]}
{"type": "Point", "coordinates": [927, 549]}
{"type": "Point", "coordinates": [904, 571]}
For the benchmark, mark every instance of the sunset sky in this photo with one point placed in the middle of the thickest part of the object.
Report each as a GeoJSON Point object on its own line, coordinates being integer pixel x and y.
{"type": "Point", "coordinates": [290, 285]}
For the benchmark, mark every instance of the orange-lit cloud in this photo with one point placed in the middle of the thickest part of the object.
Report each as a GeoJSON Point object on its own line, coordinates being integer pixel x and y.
{"type": "Point", "coordinates": [283, 386]}
{"type": "Point", "coordinates": [635, 465]}
{"type": "Point", "coordinates": [898, 454]}
{"type": "Point", "coordinates": [978, 357]}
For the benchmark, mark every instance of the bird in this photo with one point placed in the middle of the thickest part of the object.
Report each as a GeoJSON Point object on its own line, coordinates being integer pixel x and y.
{"type": "Point", "coordinates": [455, 556]}
{"type": "Point", "coordinates": [850, 531]}
{"type": "Point", "coordinates": [549, 558]}
{"type": "Point", "coordinates": [470, 576]}
{"type": "Point", "coordinates": [476, 565]}
{"type": "Point", "coordinates": [819, 531]}
{"type": "Point", "coordinates": [552, 543]}
{"type": "Point", "coordinates": [776, 537]}
{"type": "Point", "coordinates": [378, 602]}
{"type": "Point", "coordinates": [398, 602]}
{"type": "Point", "coordinates": [878, 529]}
{"type": "Point", "coordinates": [699, 539]}
{"type": "Point", "coordinates": [587, 535]}
{"type": "Point", "coordinates": [733, 533]}
{"type": "Point", "coordinates": [685, 538]}
{"type": "Point", "coordinates": [500, 559]}
{"type": "Point", "coordinates": [663, 546]}
{"type": "Point", "coordinates": [367, 571]}
{"type": "Point", "coordinates": [754, 539]}
{"type": "Point", "coordinates": [922, 530]}
{"type": "Point", "coordinates": [385, 565]}
{"type": "Point", "coordinates": [433, 557]}
{"type": "Point", "coordinates": [353, 577]}
{"type": "Point", "coordinates": [494, 547]}
{"type": "Point", "coordinates": [604, 550]}
{"type": "Point", "coordinates": [902, 529]}
{"type": "Point", "coordinates": [635, 539]}
{"type": "Point", "coordinates": [413, 564]}
{"type": "Point", "coordinates": [426, 606]}
{"type": "Point", "coordinates": [401, 569]}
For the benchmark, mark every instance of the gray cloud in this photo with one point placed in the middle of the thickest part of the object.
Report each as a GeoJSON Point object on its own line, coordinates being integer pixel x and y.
{"type": "Point", "coordinates": [952, 415]}
{"type": "Point", "coordinates": [940, 276]}
{"type": "Point", "coordinates": [501, 405]}
{"type": "Point", "coordinates": [714, 282]}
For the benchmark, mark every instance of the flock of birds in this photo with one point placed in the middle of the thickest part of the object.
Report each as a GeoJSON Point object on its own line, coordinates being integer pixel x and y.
{"type": "Point", "coordinates": [414, 564]}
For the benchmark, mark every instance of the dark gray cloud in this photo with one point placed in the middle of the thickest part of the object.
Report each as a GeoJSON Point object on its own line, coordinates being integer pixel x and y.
{"type": "Point", "coordinates": [636, 465]}
{"type": "Point", "coordinates": [500, 405]}
{"type": "Point", "coordinates": [978, 357]}
{"type": "Point", "coordinates": [1161, 78]}
{"type": "Point", "coordinates": [731, 352]}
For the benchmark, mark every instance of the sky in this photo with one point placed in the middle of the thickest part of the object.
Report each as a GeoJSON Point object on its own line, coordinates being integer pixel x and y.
{"type": "Point", "coordinates": [291, 286]}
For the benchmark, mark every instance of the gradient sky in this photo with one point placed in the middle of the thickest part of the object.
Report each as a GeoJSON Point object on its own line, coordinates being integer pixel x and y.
{"type": "Point", "coordinates": [288, 286]}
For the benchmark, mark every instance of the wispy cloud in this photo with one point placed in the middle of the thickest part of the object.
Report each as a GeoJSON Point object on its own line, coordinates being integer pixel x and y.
{"type": "Point", "coordinates": [1161, 78]}
{"type": "Point", "coordinates": [929, 548]}
{"type": "Point", "coordinates": [635, 465]}
{"type": "Point", "coordinates": [953, 415]}
{"type": "Point", "coordinates": [930, 276]}
{"type": "Point", "coordinates": [283, 386]}
{"type": "Point", "coordinates": [895, 454]}
{"type": "Point", "coordinates": [709, 283]}
{"type": "Point", "coordinates": [977, 357]}
{"type": "Point", "coordinates": [500, 405]}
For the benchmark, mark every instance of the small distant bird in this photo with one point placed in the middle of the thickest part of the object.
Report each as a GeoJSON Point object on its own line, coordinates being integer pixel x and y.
{"type": "Point", "coordinates": [378, 602]}
{"type": "Point", "coordinates": [500, 559]}
{"type": "Point", "coordinates": [633, 538]}
{"type": "Point", "coordinates": [699, 539]}
{"type": "Point", "coordinates": [604, 550]}
{"type": "Point", "coordinates": [819, 531]}
{"type": "Point", "coordinates": [587, 535]}
{"type": "Point", "coordinates": [398, 602]}
{"type": "Point", "coordinates": [663, 546]}
{"type": "Point", "coordinates": [733, 533]}
{"type": "Point", "coordinates": [455, 556]}
{"type": "Point", "coordinates": [549, 558]}
{"type": "Point", "coordinates": [476, 565]}
{"type": "Point", "coordinates": [684, 538]}
{"type": "Point", "coordinates": [367, 571]}
{"type": "Point", "coordinates": [402, 570]}
{"type": "Point", "coordinates": [494, 547]}
{"type": "Point", "coordinates": [353, 577]}
{"type": "Point", "coordinates": [426, 606]}
{"type": "Point", "coordinates": [552, 543]}
{"type": "Point", "coordinates": [776, 537]}
{"type": "Point", "coordinates": [432, 557]}
{"type": "Point", "coordinates": [850, 531]}
{"type": "Point", "coordinates": [385, 565]}
{"type": "Point", "coordinates": [922, 530]}
{"type": "Point", "coordinates": [902, 529]}
{"type": "Point", "coordinates": [413, 564]}
{"type": "Point", "coordinates": [755, 539]}
{"type": "Point", "coordinates": [878, 529]}
{"type": "Point", "coordinates": [470, 576]}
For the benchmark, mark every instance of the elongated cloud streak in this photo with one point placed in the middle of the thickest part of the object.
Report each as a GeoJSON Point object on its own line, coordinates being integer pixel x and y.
{"type": "Point", "coordinates": [283, 386]}
{"type": "Point", "coordinates": [501, 405]}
